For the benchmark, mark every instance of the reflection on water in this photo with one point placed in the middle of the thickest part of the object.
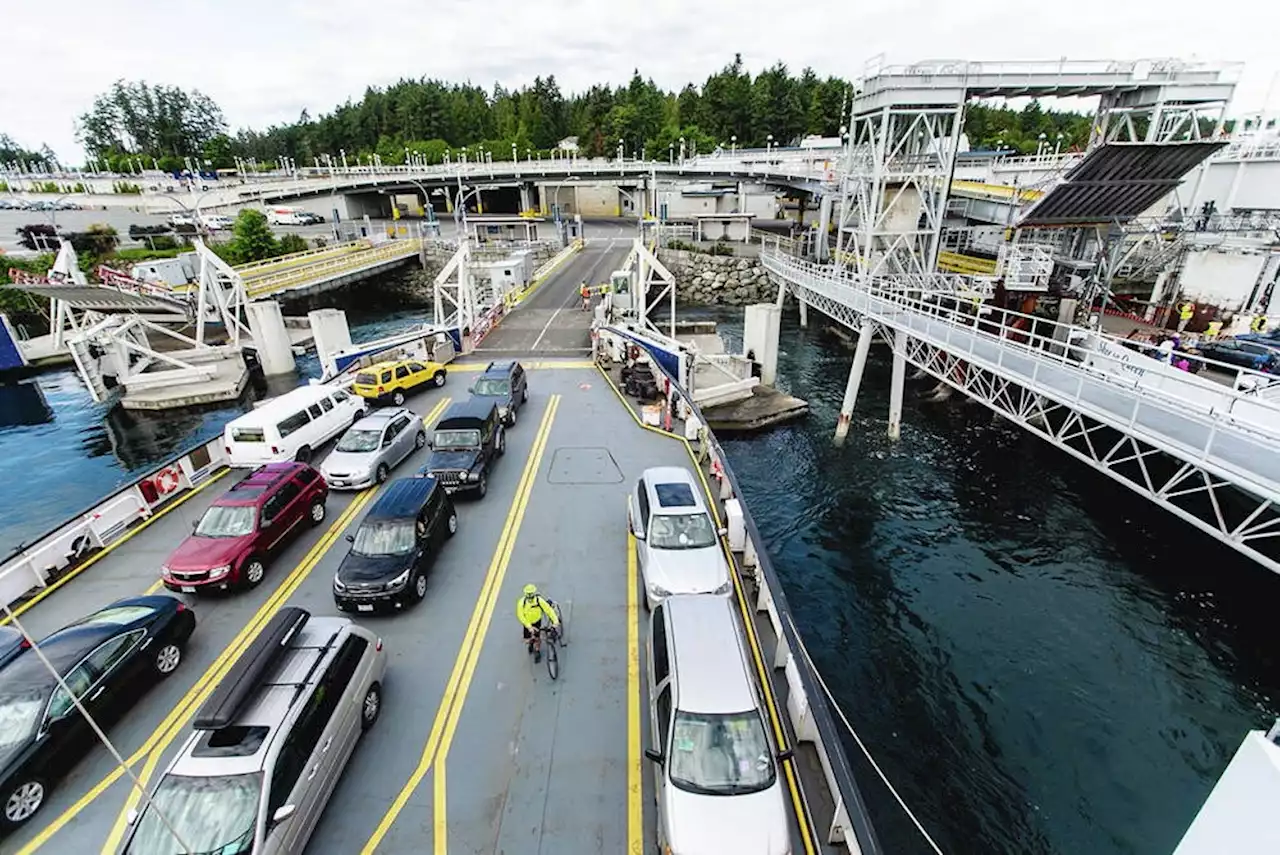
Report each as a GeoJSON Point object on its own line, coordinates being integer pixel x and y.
{"type": "Point", "coordinates": [1041, 660]}
{"type": "Point", "coordinates": [78, 451]}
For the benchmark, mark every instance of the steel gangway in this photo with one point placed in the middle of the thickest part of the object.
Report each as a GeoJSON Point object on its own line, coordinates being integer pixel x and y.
{"type": "Point", "coordinates": [1202, 449]}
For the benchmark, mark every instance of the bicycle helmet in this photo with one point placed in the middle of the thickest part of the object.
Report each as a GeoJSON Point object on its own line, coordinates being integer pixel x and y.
{"type": "Point", "coordinates": [530, 591]}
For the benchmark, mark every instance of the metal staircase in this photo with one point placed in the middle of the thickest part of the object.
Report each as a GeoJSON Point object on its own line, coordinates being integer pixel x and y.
{"type": "Point", "coordinates": [1204, 451]}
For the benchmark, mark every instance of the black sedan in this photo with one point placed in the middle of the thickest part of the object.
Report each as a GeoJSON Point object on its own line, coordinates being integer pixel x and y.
{"type": "Point", "coordinates": [1246, 354]}
{"type": "Point", "coordinates": [104, 659]}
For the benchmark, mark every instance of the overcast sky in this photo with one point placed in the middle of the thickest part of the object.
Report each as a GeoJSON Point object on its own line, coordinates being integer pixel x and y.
{"type": "Point", "coordinates": [264, 61]}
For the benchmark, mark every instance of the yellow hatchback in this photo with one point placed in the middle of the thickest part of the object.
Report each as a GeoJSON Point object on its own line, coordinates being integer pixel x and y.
{"type": "Point", "coordinates": [387, 382]}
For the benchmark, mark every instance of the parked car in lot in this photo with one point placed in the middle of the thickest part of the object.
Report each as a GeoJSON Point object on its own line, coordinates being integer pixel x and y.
{"type": "Point", "coordinates": [176, 220]}
{"type": "Point", "coordinates": [392, 550]}
{"type": "Point", "coordinates": [105, 659]}
{"type": "Point", "coordinates": [466, 443]}
{"type": "Point", "coordinates": [506, 384]}
{"type": "Point", "coordinates": [372, 447]}
{"type": "Point", "coordinates": [388, 382]}
{"type": "Point", "coordinates": [307, 218]}
{"type": "Point", "coordinates": [1246, 354]}
{"type": "Point", "coordinates": [270, 744]}
{"type": "Point", "coordinates": [218, 222]}
{"type": "Point", "coordinates": [715, 763]}
{"type": "Point", "coordinates": [677, 544]}
{"type": "Point", "coordinates": [234, 539]}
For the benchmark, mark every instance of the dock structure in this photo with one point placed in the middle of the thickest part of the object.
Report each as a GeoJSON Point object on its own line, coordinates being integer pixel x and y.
{"type": "Point", "coordinates": [476, 749]}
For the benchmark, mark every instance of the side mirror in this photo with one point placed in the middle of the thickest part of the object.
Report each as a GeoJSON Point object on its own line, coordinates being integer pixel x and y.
{"type": "Point", "coordinates": [724, 531]}
{"type": "Point", "coordinates": [471, 390]}
{"type": "Point", "coordinates": [784, 756]}
{"type": "Point", "coordinates": [654, 754]}
{"type": "Point", "coordinates": [351, 538]}
{"type": "Point", "coordinates": [431, 442]}
{"type": "Point", "coordinates": [282, 813]}
{"type": "Point", "coordinates": [132, 816]}
{"type": "Point", "coordinates": [195, 524]}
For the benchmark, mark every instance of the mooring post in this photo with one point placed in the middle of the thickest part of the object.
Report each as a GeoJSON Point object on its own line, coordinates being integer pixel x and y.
{"type": "Point", "coordinates": [855, 380]}
{"type": "Point", "coordinates": [897, 382]}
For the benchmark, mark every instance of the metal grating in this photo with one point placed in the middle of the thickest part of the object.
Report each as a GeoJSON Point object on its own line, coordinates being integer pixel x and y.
{"type": "Point", "coordinates": [1118, 182]}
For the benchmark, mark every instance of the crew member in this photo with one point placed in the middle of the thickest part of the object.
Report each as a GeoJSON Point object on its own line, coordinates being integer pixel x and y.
{"type": "Point", "coordinates": [1185, 312]}
{"type": "Point", "coordinates": [586, 296]}
{"type": "Point", "coordinates": [1259, 323]}
{"type": "Point", "coordinates": [1215, 327]}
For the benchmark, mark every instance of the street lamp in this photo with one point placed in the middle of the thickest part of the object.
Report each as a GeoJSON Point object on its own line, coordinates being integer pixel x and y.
{"type": "Point", "coordinates": [671, 152]}
{"type": "Point", "coordinates": [1057, 146]}
{"type": "Point", "coordinates": [733, 141]}
{"type": "Point", "coordinates": [682, 149]}
{"type": "Point", "coordinates": [528, 155]}
{"type": "Point", "coordinates": [768, 144]}
{"type": "Point", "coordinates": [1041, 145]}
{"type": "Point", "coordinates": [514, 156]}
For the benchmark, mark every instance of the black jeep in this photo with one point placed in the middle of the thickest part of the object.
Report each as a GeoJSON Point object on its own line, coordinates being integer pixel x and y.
{"type": "Point", "coordinates": [505, 384]}
{"type": "Point", "coordinates": [467, 441]}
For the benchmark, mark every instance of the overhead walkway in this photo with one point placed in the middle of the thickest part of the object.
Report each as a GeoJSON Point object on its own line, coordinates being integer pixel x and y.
{"type": "Point", "coordinates": [1200, 449]}
{"type": "Point", "coordinates": [311, 273]}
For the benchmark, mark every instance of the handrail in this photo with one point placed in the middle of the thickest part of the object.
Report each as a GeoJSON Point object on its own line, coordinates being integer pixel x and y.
{"type": "Point", "coordinates": [254, 268]}
{"type": "Point", "coordinates": [350, 261]}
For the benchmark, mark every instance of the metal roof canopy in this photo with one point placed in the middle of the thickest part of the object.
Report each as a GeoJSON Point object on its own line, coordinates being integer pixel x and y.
{"type": "Point", "coordinates": [1117, 182]}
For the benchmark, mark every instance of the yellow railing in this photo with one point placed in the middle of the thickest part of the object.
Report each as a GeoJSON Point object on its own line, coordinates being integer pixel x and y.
{"type": "Point", "coordinates": [954, 262]}
{"type": "Point", "coordinates": [269, 266]}
{"type": "Point", "coordinates": [1002, 191]}
{"type": "Point", "coordinates": [330, 268]}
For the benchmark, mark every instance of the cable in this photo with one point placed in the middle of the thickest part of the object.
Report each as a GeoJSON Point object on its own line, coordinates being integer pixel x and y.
{"type": "Point", "coordinates": [814, 670]}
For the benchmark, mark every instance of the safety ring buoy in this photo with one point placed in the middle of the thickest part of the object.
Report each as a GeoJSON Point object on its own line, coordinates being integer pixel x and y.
{"type": "Point", "coordinates": [167, 480]}
{"type": "Point", "coordinates": [633, 352]}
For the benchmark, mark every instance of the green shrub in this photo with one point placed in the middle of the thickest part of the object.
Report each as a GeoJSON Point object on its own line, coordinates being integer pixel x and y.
{"type": "Point", "coordinates": [720, 249]}
{"type": "Point", "coordinates": [135, 254]}
{"type": "Point", "coordinates": [292, 243]}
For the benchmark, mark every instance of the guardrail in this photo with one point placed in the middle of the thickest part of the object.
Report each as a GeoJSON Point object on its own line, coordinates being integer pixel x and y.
{"type": "Point", "coordinates": [321, 271]}
{"type": "Point", "coordinates": [255, 269]}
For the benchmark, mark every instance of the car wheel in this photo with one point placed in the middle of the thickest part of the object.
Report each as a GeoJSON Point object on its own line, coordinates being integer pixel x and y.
{"type": "Point", "coordinates": [254, 570]}
{"type": "Point", "coordinates": [420, 587]}
{"type": "Point", "coordinates": [22, 800]}
{"type": "Point", "coordinates": [524, 394]}
{"type": "Point", "coordinates": [420, 440]}
{"type": "Point", "coordinates": [502, 442]}
{"type": "Point", "coordinates": [438, 378]}
{"type": "Point", "coordinates": [370, 707]}
{"type": "Point", "coordinates": [452, 525]}
{"type": "Point", "coordinates": [483, 488]}
{"type": "Point", "coordinates": [317, 512]}
{"type": "Point", "coordinates": [397, 398]}
{"type": "Point", "coordinates": [167, 659]}
{"type": "Point", "coordinates": [511, 416]}
{"type": "Point", "coordinates": [357, 417]}
{"type": "Point", "coordinates": [381, 474]}
{"type": "Point", "coordinates": [304, 454]}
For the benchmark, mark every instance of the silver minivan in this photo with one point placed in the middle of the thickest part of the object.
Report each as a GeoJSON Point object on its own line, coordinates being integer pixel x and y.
{"type": "Point", "coordinates": [677, 544]}
{"type": "Point", "coordinates": [716, 766]}
{"type": "Point", "coordinates": [270, 743]}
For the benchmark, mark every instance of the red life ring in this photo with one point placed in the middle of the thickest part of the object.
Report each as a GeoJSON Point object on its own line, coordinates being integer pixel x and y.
{"type": "Point", "coordinates": [167, 480]}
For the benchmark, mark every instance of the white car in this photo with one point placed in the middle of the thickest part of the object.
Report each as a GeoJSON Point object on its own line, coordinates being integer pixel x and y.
{"type": "Point", "coordinates": [182, 220]}
{"type": "Point", "coordinates": [218, 222]}
{"type": "Point", "coordinates": [677, 543]}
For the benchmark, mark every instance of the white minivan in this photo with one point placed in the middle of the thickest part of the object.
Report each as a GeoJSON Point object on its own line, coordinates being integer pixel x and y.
{"type": "Point", "coordinates": [291, 426]}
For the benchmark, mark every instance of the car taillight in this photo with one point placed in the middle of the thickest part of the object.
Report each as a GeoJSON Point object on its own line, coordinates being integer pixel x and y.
{"type": "Point", "coordinates": [380, 390]}
{"type": "Point", "coordinates": [26, 643]}
{"type": "Point", "coordinates": [275, 450]}
{"type": "Point", "coordinates": [182, 607]}
{"type": "Point", "coordinates": [378, 644]}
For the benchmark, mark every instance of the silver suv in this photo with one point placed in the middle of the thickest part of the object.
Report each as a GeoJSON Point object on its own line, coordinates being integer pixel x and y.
{"type": "Point", "coordinates": [372, 447]}
{"type": "Point", "coordinates": [269, 744]}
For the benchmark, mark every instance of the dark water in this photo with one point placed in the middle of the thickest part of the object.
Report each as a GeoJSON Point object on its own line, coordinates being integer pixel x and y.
{"type": "Point", "coordinates": [1041, 661]}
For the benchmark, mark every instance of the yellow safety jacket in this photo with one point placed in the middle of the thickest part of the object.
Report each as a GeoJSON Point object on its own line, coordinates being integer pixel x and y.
{"type": "Point", "coordinates": [1215, 327]}
{"type": "Point", "coordinates": [1186, 311]}
{"type": "Point", "coordinates": [529, 612]}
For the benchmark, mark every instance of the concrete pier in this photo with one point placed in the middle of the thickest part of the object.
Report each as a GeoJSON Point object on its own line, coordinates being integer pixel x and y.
{"type": "Point", "coordinates": [275, 350]}
{"type": "Point", "coordinates": [760, 336]}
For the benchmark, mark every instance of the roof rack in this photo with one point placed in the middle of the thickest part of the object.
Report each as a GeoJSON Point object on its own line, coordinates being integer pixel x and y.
{"type": "Point", "coordinates": [227, 700]}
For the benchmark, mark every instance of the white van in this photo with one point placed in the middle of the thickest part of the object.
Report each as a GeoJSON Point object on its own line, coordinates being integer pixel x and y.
{"type": "Point", "coordinates": [290, 427]}
{"type": "Point", "coordinates": [284, 216]}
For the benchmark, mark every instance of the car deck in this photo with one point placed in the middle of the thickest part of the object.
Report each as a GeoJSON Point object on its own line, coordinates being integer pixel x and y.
{"type": "Point", "coordinates": [477, 749]}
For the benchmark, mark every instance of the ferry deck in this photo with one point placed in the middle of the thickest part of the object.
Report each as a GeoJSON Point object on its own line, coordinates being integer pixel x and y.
{"type": "Point", "coordinates": [477, 750]}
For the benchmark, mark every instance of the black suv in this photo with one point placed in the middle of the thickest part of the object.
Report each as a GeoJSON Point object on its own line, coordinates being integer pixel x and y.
{"type": "Point", "coordinates": [505, 384]}
{"type": "Point", "coordinates": [387, 564]}
{"type": "Point", "coordinates": [467, 441]}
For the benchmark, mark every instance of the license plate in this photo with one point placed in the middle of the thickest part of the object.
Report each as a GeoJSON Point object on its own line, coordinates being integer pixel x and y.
{"type": "Point", "coordinates": [339, 483]}
{"type": "Point", "coordinates": [188, 589]}
{"type": "Point", "coordinates": [364, 607]}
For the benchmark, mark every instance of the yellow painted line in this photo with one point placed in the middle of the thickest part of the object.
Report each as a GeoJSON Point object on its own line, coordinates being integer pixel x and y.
{"type": "Point", "coordinates": [155, 586]}
{"type": "Point", "coordinates": [436, 411]}
{"type": "Point", "coordinates": [176, 721]}
{"type": "Point", "coordinates": [186, 707]}
{"type": "Point", "coordinates": [484, 604]}
{"type": "Point", "coordinates": [635, 809]}
{"type": "Point", "coordinates": [440, 811]}
{"type": "Point", "coordinates": [111, 547]}
{"type": "Point", "coordinates": [802, 815]}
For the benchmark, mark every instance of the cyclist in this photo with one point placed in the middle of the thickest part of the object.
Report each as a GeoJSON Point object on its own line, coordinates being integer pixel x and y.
{"type": "Point", "coordinates": [531, 609]}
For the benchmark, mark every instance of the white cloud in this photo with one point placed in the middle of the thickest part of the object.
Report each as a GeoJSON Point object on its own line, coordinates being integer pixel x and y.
{"type": "Point", "coordinates": [264, 61]}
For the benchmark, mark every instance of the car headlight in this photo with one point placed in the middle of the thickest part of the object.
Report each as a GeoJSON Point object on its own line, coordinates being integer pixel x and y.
{"type": "Point", "coordinates": [723, 589]}
{"type": "Point", "coordinates": [219, 572]}
{"type": "Point", "coordinates": [503, 411]}
{"type": "Point", "coordinates": [337, 585]}
{"type": "Point", "coordinates": [164, 569]}
{"type": "Point", "coordinates": [399, 581]}
{"type": "Point", "coordinates": [473, 476]}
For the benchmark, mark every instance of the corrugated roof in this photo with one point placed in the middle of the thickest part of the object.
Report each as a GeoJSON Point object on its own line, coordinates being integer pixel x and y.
{"type": "Point", "coordinates": [1117, 182]}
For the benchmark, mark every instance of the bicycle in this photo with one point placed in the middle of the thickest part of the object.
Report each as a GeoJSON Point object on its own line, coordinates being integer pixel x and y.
{"type": "Point", "coordinates": [555, 638]}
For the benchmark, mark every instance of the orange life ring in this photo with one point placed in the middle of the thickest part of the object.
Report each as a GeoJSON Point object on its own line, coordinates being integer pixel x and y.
{"type": "Point", "coordinates": [167, 480]}
{"type": "Point", "coordinates": [633, 352]}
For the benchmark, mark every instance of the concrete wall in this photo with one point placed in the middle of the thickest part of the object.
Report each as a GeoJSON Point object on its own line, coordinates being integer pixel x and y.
{"type": "Point", "coordinates": [596, 200]}
{"type": "Point", "coordinates": [1222, 279]}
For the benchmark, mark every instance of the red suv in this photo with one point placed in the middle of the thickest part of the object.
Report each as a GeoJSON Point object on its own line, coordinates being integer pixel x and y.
{"type": "Point", "coordinates": [230, 544]}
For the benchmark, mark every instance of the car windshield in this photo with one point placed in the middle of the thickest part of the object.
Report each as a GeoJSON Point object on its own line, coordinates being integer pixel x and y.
{"type": "Point", "coordinates": [226, 521]}
{"type": "Point", "coordinates": [375, 539]}
{"type": "Point", "coordinates": [721, 755]}
{"type": "Point", "coordinates": [211, 816]}
{"type": "Point", "coordinates": [20, 710]}
{"type": "Point", "coordinates": [457, 439]}
{"type": "Point", "coordinates": [490, 386]}
{"type": "Point", "coordinates": [360, 440]}
{"type": "Point", "coordinates": [681, 531]}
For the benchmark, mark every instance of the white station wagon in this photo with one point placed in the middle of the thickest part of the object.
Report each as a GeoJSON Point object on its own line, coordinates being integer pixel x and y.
{"type": "Point", "coordinates": [677, 543]}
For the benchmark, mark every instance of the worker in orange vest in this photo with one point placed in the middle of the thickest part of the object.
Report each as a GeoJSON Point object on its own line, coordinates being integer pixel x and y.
{"type": "Point", "coordinates": [586, 297]}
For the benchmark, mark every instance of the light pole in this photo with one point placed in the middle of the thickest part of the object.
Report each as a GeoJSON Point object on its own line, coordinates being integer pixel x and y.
{"type": "Point", "coordinates": [1041, 145]}
{"type": "Point", "coordinates": [733, 143]}
{"type": "Point", "coordinates": [682, 150]}
{"type": "Point", "coordinates": [1057, 146]}
{"type": "Point", "coordinates": [514, 156]}
{"type": "Point", "coordinates": [621, 143]}
{"type": "Point", "coordinates": [768, 144]}
{"type": "Point", "coordinates": [671, 152]}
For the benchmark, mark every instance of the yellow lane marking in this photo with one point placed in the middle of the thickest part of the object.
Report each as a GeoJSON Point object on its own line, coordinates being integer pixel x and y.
{"type": "Point", "coordinates": [273, 604]}
{"type": "Point", "coordinates": [176, 721]}
{"type": "Point", "coordinates": [111, 547]}
{"type": "Point", "coordinates": [753, 641]}
{"type": "Point", "coordinates": [460, 699]}
{"type": "Point", "coordinates": [459, 666]}
{"type": "Point", "coordinates": [153, 587]}
{"type": "Point", "coordinates": [440, 803]}
{"type": "Point", "coordinates": [186, 707]}
{"type": "Point", "coordinates": [635, 809]}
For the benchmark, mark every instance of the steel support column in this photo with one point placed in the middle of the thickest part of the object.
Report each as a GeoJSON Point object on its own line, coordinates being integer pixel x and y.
{"type": "Point", "coordinates": [855, 380]}
{"type": "Point", "coordinates": [898, 382]}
